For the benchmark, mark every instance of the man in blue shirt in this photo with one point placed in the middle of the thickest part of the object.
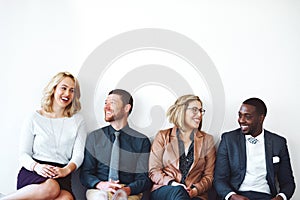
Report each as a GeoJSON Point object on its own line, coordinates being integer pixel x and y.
{"type": "Point", "coordinates": [132, 173]}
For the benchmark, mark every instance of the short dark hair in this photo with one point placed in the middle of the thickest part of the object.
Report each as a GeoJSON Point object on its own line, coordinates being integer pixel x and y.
{"type": "Point", "coordinates": [259, 105]}
{"type": "Point", "coordinates": [125, 97]}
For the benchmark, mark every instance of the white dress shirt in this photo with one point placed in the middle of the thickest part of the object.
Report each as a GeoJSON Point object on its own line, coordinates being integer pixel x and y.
{"type": "Point", "coordinates": [256, 169]}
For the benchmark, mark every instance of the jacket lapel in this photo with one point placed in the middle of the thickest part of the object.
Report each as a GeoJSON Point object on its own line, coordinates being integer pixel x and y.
{"type": "Point", "coordinates": [174, 145]}
{"type": "Point", "coordinates": [198, 147]}
{"type": "Point", "coordinates": [269, 159]}
{"type": "Point", "coordinates": [242, 149]}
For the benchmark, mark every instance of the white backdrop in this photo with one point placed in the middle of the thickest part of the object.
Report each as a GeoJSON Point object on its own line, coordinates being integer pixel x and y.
{"type": "Point", "coordinates": [253, 47]}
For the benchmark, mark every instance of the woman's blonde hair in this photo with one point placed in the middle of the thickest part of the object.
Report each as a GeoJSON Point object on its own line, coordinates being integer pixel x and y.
{"type": "Point", "coordinates": [47, 100]}
{"type": "Point", "coordinates": [176, 112]}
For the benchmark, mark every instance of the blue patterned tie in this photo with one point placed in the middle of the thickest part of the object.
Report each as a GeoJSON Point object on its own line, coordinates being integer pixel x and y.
{"type": "Point", "coordinates": [252, 140]}
{"type": "Point", "coordinates": [114, 159]}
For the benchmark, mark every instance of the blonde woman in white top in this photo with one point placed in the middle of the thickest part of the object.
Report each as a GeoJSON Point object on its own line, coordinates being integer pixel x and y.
{"type": "Point", "coordinates": [52, 143]}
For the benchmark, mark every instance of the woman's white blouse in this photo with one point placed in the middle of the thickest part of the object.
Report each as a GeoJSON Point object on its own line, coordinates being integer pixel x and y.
{"type": "Point", "coordinates": [59, 140]}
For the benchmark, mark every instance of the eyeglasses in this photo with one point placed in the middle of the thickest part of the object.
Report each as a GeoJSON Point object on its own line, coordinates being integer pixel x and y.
{"type": "Point", "coordinates": [196, 110]}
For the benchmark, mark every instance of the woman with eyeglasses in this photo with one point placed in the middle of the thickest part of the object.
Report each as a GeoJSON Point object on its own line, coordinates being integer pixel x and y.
{"type": "Point", "coordinates": [182, 158]}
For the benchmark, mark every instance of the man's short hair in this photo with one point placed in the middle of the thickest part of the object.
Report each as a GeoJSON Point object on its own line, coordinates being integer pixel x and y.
{"type": "Point", "coordinates": [125, 97]}
{"type": "Point", "coordinates": [259, 105]}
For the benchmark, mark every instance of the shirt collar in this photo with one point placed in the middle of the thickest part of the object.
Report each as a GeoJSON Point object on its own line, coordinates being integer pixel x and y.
{"type": "Point", "coordinates": [125, 129]}
{"type": "Point", "coordinates": [260, 137]}
{"type": "Point", "coordinates": [191, 135]}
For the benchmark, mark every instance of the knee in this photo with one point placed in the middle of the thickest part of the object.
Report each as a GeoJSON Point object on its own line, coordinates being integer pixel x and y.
{"type": "Point", "coordinates": [170, 193]}
{"type": "Point", "coordinates": [178, 191]}
{"type": "Point", "coordinates": [95, 194]}
{"type": "Point", "coordinates": [51, 189]}
{"type": "Point", "coordinates": [66, 195]}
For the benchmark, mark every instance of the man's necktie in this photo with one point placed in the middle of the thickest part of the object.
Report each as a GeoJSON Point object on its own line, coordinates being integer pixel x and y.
{"type": "Point", "coordinates": [114, 159]}
{"type": "Point", "coordinates": [252, 140]}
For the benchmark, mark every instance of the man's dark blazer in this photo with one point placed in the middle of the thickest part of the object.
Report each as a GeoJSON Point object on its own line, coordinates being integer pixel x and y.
{"type": "Point", "coordinates": [230, 166]}
{"type": "Point", "coordinates": [134, 156]}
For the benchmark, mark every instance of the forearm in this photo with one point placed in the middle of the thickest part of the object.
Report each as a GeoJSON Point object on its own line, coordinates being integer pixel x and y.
{"type": "Point", "coordinates": [88, 177]}
{"type": "Point", "coordinates": [88, 170]}
{"type": "Point", "coordinates": [140, 185]}
{"type": "Point", "coordinates": [204, 184]}
{"type": "Point", "coordinates": [27, 161]}
{"type": "Point", "coordinates": [69, 168]}
{"type": "Point", "coordinates": [223, 188]}
{"type": "Point", "coordinates": [79, 146]}
{"type": "Point", "coordinates": [26, 146]}
{"type": "Point", "coordinates": [223, 171]}
{"type": "Point", "coordinates": [159, 177]}
{"type": "Point", "coordinates": [207, 176]}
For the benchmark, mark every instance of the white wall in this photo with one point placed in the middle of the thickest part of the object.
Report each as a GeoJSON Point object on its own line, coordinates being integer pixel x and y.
{"type": "Point", "coordinates": [252, 46]}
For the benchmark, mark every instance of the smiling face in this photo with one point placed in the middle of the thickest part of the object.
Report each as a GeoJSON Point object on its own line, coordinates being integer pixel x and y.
{"type": "Point", "coordinates": [250, 121]}
{"type": "Point", "coordinates": [64, 93]}
{"type": "Point", "coordinates": [114, 108]}
{"type": "Point", "coordinates": [191, 119]}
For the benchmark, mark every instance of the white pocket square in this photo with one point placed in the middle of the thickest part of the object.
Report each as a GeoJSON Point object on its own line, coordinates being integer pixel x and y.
{"type": "Point", "coordinates": [276, 159]}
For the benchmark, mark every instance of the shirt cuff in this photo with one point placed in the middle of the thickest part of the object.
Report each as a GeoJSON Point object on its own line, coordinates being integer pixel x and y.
{"type": "Point", "coordinates": [282, 195]}
{"type": "Point", "coordinates": [170, 182]}
{"type": "Point", "coordinates": [229, 195]}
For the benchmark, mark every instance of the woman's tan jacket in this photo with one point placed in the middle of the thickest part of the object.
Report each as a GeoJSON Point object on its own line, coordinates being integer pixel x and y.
{"type": "Point", "coordinates": [164, 161]}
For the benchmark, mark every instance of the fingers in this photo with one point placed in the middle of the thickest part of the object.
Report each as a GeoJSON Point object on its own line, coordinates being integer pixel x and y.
{"type": "Point", "coordinates": [192, 192]}
{"type": "Point", "coordinates": [60, 172]}
{"type": "Point", "coordinates": [49, 171]}
{"type": "Point", "coordinates": [112, 181]}
{"type": "Point", "coordinates": [115, 184]}
{"type": "Point", "coordinates": [112, 190]}
{"type": "Point", "coordinates": [46, 171]}
{"type": "Point", "coordinates": [110, 186]}
{"type": "Point", "coordinates": [57, 172]}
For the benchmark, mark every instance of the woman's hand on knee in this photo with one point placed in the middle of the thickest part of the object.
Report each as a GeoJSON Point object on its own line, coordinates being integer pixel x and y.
{"type": "Point", "coordinates": [61, 172]}
{"type": "Point", "coordinates": [45, 170]}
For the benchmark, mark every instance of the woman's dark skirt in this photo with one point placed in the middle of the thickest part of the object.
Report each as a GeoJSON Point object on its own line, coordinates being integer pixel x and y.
{"type": "Point", "coordinates": [26, 177]}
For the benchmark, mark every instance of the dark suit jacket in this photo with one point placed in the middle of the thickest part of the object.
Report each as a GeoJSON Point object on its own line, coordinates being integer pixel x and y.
{"type": "Point", "coordinates": [134, 156]}
{"type": "Point", "coordinates": [230, 166]}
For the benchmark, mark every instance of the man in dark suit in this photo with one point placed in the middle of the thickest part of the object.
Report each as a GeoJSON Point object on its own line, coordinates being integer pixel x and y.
{"type": "Point", "coordinates": [253, 163]}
